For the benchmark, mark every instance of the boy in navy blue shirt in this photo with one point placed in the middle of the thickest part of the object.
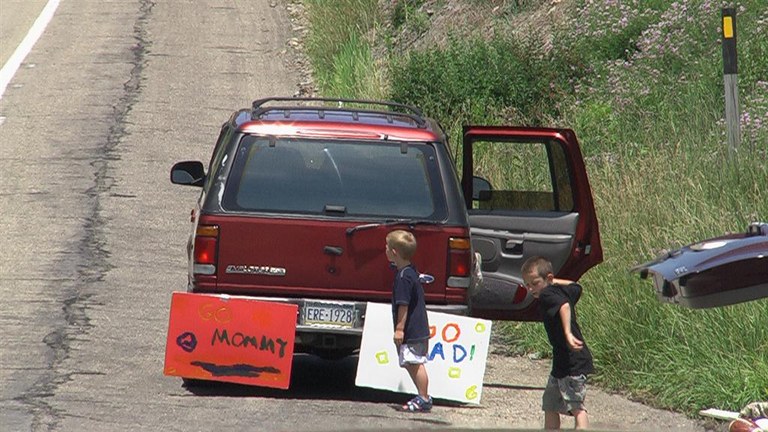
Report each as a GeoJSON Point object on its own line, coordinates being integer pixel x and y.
{"type": "Point", "coordinates": [409, 315]}
{"type": "Point", "coordinates": [571, 359]}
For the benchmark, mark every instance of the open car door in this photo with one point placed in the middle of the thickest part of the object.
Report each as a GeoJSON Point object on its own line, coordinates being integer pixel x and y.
{"type": "Point", "coordinates": [720, 271]}
{"type": "Point", "coordinates": [527, 194]}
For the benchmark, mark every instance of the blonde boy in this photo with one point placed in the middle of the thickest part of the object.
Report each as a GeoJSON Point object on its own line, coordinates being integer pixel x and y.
{"type": "Point", "coordinates": [409, 315]}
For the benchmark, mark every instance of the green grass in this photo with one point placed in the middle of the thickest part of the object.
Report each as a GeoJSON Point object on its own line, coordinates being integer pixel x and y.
{"type": "Point", "coordinates": [340, 48]}
{"type": "Point", "coordinates": [641, 84]}
{"type": "Point", "coordinates": [408, 12]}
{"type": "Point", "coordinates": [475, 80]}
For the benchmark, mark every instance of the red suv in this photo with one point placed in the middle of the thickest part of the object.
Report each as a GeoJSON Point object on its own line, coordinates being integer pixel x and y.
{"type": "Point", "coordinates": [300, 193]}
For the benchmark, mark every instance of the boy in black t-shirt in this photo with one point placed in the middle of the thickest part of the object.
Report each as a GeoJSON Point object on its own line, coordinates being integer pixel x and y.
{"type": "Point", "coordinates": [409, 315]}
{"type": "Point", "coordinates": [571, 359]}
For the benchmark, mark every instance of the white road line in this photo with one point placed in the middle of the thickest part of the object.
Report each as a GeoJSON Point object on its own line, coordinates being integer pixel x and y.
{"type": "Point", "coordinates": [18, 56]}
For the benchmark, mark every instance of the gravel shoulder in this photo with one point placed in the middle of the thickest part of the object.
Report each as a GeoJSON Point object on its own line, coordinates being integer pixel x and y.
{"type": "Point", "coordinates": [511, 398]}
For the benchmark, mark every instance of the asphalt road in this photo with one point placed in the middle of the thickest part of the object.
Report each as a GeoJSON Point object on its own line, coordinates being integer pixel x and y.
{"type": "Point", "coordinates": [94, 233]}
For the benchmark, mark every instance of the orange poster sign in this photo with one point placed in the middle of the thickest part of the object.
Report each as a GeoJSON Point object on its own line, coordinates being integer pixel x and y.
{"type": "Point", "coordinates": [228, 338]}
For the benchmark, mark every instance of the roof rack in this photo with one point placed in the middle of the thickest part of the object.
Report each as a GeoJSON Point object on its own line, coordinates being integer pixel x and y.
{"type": "Point", "coordinates": [394, 108]}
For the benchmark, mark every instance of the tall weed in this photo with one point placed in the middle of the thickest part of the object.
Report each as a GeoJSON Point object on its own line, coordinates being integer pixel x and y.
{"type": "Point", "coordinates": [337, 46]}
{"type": "Point", "coordinates": [473, 79]}
{"type": "Point", "coordinates": [354, 73]}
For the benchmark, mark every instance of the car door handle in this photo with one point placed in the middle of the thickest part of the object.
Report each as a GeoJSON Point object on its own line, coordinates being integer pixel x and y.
{"type": "Point", "coordinates": [333, 250]}
{"type": "Point", "coordinates": [513, 247]}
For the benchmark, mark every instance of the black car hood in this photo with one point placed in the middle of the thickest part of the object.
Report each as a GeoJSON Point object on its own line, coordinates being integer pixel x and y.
{"type": "Point", "coordinates": [715, 272]}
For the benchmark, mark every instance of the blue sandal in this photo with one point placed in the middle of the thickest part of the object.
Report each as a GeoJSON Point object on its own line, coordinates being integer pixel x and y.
{"type": "Point", "coordinates": [418, 404]}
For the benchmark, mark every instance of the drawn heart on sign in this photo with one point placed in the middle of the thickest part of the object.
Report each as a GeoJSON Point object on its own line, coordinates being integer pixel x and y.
{"type": "Point", "coordinates": [187, 341]}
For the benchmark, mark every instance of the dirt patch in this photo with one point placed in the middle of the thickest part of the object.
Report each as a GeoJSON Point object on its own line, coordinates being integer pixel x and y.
{"type": "Point", "coordinates": [299, 60]}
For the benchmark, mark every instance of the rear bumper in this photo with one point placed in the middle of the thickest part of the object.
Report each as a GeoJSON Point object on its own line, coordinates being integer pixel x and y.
{"type": "Point", "coordinates": [355, 328]}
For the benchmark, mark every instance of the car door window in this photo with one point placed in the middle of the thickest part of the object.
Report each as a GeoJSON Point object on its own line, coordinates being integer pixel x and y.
{"type": "Point", "coordinates": [529, 176]}
{"type": "Point", "coordinates": [218, 155]}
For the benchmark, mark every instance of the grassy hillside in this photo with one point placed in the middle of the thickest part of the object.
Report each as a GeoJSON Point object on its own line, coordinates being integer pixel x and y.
{"type": "Point", "coordinates": [641, 84]}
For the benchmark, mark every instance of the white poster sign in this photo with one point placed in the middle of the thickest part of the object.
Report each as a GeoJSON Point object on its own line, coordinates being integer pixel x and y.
{"type": "Point", "coordinates": [458, 348]}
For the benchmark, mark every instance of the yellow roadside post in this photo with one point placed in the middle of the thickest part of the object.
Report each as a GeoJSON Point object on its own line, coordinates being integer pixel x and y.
{"type": "Point", "coordinates": [730, 72]}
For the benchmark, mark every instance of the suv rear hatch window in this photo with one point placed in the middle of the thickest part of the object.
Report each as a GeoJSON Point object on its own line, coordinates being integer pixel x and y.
{"type": "Point", "coordinates": [376, 179]}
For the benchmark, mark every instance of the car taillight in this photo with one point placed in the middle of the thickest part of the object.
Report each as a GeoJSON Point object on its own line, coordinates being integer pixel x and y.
{"type": "Point", "coordinates": [459, 257]}
{"type": "Point", "coordinates": [206, 239]}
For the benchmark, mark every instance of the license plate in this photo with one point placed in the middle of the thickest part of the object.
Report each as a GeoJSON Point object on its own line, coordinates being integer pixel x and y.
{"type": "Point", "coordinates": [335, 314]}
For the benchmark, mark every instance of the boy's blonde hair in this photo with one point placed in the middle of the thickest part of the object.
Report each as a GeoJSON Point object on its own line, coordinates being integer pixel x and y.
{"type": "Point", "coordinates": [403, 242]}
{"type": "Point", "coordinates": [541, 265]}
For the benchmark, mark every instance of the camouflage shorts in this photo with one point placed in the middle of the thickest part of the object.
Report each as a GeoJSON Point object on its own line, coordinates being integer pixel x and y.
{"type": "Point", "coordinates": [565, 395]}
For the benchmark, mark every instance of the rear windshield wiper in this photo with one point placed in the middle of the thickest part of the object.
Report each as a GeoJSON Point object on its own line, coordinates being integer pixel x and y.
{"type": "Point", "coordinates": [410, 222]}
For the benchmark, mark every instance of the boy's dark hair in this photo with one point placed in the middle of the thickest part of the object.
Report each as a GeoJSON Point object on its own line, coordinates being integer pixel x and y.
{"type": "Point", "coordinates": [542, 266]}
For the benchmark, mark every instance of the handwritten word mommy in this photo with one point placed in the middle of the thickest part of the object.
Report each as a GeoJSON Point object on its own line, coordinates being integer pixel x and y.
{"type": "Point", "coordinates": [240, 340]}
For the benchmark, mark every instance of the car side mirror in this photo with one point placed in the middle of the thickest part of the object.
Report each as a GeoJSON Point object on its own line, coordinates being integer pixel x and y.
{"type": "Point", "coordinates": [189, 173]}
{"type": "Point", "coordinates": [480, 184]}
